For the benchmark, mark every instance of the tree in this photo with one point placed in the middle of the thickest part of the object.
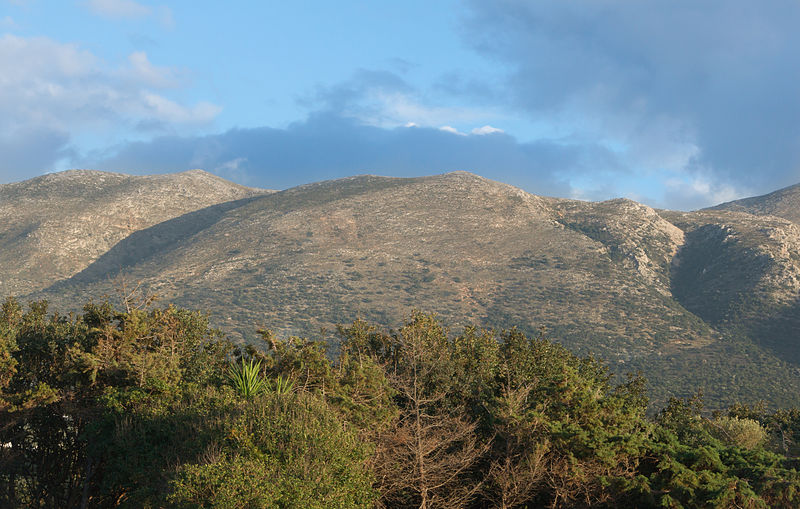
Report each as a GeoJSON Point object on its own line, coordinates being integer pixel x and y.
{"type": "Point", "coordinates": [425, 457]}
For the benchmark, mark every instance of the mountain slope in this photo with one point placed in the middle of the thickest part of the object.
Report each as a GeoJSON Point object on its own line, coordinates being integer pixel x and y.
{"type": "Point", "coordinates": [54, 226]}
{"type": "Point", "coordinates": [783, 203]}
{"type": "Point", "coordinates": [465, 247]}
{"type": "Point", "coordinates": [695, 300]}
{"type": "Point", "coordinates": [597, 275]}
{"type": "Point", "coordinates": [741, 274]}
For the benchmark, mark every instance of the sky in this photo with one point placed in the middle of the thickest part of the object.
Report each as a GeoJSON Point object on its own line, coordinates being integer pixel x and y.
{"type": "Point", "coordinates": [674, 103]}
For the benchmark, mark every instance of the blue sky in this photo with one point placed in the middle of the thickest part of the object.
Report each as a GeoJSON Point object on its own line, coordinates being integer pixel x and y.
{"type": "Point", "coordinates": [674, 103]}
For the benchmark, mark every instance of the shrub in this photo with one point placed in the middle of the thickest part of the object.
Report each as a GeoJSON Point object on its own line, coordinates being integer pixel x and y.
{"type": "Point", "coordinates": [739, 432]}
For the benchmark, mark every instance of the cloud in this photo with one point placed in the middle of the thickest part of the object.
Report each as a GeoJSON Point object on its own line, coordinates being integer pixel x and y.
{"type": "Point", "coordinates": [118, 8]}
{"type": "Point", "coordinates": [51, 91]}
{"type": "Point", "coordinates": [140, 69]}
{"type": "Point", "coordinates": [164, 16]}
{"type": "Point", "coordinates": [7, 22]}
{"type": "Point", "coordinates": [354, 128]}
{"type": "Point", "coordinates": [165, 111]}
{"type": "Point", "coordinates": [451, 130]}
{"type": "Point", "coordinates": [705, 90]}
{"type": "Point", "coordinates": [698, 191]}
{"type": "Point", "coordinates": [385, 99]}
{"type": "Point", "coordinates": [26, 151]}
{"type": "Point", "coordinates": [487, 129]}
{"type": "Point", "coordinates": [330, 146]}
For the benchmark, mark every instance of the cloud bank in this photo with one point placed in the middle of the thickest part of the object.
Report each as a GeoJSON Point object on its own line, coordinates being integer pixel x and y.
{"type": "Point", "coordinates": [328, 145]}
{"type": "Point", "coordinates": [706, 91]}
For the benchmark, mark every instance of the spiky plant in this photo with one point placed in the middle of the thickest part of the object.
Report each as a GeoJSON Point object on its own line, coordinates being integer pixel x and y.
{"type": "Point", "coordinates": [246, 377]}
{"type": "Point", "coordinates": [283, 385]}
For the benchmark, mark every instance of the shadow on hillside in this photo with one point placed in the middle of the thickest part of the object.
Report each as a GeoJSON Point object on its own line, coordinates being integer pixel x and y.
{"type": "Point", "coordinates": [780, 332]}
{"type": "Point", "coordinates": [144, 245]}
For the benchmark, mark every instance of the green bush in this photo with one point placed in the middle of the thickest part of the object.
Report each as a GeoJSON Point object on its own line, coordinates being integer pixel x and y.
{"type": "Point", "coordinates": [281, 451]}
{"type": "Point", "coordinates": [739, 432]}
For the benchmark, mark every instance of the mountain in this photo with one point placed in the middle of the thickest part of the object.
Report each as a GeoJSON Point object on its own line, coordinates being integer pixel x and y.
{"type": "Point", "coordinates": [470, 249]}
{"type": "Point", "coordinates": [783, 203]}
{"type": "Point", "coordinates": [54, 226]}
{"type": "Point", "coordinates": [704, 299]}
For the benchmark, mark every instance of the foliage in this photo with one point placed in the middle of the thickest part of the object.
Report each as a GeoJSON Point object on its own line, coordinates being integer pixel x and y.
{"type": "Point", "coordinates": [739, 432]}
{"type": "Point", "coordinates": [281, 451]}
{"type": "Point", "coordinates": [123, 408]}
{"type": "Point", "coordinates": [246, 378]}
{"type": "Point", "coordinates": [149, 407]}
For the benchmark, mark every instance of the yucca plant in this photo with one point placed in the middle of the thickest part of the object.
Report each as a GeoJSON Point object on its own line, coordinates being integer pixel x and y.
{"type": "Point", "coordinates": [283, 385]}
{"type": "Point", "coordinates": [246, 377]}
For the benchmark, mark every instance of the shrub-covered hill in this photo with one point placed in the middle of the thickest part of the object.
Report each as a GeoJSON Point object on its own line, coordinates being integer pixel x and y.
{"type": "Point", "coordinates": [54, 226]}
{"type": "Point", "coordinates": [149, 407]}
{"type": "Point", "coordinates": [783, 203]}
{"type": "Point", "coordinates": [639, 288]}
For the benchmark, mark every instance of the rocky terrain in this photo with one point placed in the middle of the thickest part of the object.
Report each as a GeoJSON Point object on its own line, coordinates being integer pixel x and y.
{"type": "Point", "coordinates": [705, 299]}
{"type": "Point", "coordinates": [54, 226]}
{"type": "Point", "coordinates": [783, 203]}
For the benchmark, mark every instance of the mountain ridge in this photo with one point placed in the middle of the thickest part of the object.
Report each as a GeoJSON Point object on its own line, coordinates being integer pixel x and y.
{"type": "Point", "coordinates": [642, 288]}
{"type": "Point", "coordinates": [784, 203]}
{"type": "Point", "coordinates": [53, 226]}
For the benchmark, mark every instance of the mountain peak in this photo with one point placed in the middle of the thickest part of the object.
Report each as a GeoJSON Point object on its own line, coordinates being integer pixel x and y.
{"type": "Point", "coordinates": [54, 225]}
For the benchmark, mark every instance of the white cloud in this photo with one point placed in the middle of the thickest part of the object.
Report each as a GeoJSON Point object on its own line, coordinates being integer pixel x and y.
{"type": "Point", "coordinates": [235, 169]}
{"type": "Point", "coordinates": [118, 8]}
{"type": "Point", "coordinates": [393, 109]}
{"type": "Point", "coordinates": [64, 90]}
{"type": "Point", "coordinates": [478, 131]}
{"type": "Point", "coordinates": [142, 70]}
{"type": "Point", "coordinates": [164, 16]}
{"type": "Point", "coordinates": [7, 22]}
{"type": "Point", "coordinates": [697, 191]}
{"type": "Point", "coordinates": [487, 129]}
{"type": "Point", "coordinates": [165, 110]}
{"type": "Point", "coordinates": [66, 87]}
{"type": "Point", "coordinates": [450, 129]}
{"type": "Point", "coordinates": [384, 99]}
{"type": "Point", "coordinates": [130, 9]}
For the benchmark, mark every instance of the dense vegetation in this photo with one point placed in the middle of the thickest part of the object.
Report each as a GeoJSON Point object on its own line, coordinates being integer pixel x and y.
{"type": "Point", "coordinates": [149, 407]}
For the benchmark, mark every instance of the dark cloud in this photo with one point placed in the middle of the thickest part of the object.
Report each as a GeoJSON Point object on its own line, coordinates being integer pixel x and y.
{"type": "Point", "coordinates": [329, 146]}
{"type": "Point", "coordinates": [710, 85]}
{"type": "Point", "coordinates": [348, 96]}
{"type": "Point", "coordinates": [28, 152]}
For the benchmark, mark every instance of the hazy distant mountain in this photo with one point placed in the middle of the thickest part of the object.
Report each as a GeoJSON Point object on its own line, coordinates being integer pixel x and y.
{"type": "Point", "coordinates": [54, 226]}
{"type": "Point", "coordinates": [707, 299]}
{"type": "Point", "coordinates": [783, 203]}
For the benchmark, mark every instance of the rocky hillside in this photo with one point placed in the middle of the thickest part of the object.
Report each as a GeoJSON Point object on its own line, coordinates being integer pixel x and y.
{"type": "Point", "coordinates": [740, 272]}
{"type": "Point", "coordinates": [783, 203]}
{"type": "Point", "coordinates": [465, 247]}
{"type": "Point", "coordinates": [695, 300]}
{"type": "Point", "coordinates": [54, 226]}
{"type": "Point", "coordinates": [707, 299]}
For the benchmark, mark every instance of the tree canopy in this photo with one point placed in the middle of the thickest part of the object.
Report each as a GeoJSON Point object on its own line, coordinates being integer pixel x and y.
{"type": "Point", "coordinates": [147, 406]}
